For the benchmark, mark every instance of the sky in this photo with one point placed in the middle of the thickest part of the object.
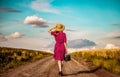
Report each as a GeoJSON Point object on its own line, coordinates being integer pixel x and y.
{"type": "Point", "coordinates": [89, 24]}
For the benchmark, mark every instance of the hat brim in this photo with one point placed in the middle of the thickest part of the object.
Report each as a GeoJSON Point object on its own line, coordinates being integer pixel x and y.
{"type": "Point", "coordinates": [62, 29]}
{"type": "Point", "coordinates": [59, 29]}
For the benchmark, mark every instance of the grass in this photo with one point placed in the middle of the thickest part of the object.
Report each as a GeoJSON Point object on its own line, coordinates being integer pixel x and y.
{"type": "Point", "coordinates": [108, 59]}
{"type": "Point", "coordinates": [13, 57]}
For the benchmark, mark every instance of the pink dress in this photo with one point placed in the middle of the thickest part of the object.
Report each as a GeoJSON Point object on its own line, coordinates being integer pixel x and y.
{"type": "Point", "coordinates": [59, 49]}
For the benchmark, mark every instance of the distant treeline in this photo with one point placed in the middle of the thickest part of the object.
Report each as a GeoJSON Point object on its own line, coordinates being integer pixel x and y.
{"type": "Point", "coordinates": [13, 57]}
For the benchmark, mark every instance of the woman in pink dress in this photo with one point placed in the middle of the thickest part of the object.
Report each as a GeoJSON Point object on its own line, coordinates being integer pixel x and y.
{"type": "Point", "coordinates": [60, 46]}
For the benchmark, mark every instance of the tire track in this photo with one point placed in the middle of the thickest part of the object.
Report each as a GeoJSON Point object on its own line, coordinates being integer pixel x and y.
{"type": "Point", "coordinates": [41, 69]}
{"type": "Point", "coordinates": [83, 70]}
{"type": "Point", "coordinates": [53, 72]}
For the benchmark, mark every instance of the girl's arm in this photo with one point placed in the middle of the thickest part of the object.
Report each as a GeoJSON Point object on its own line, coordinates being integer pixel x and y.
{"type": "Point", "coordinates": [65, 46]}
{"type": "Point", "coordinates": [49, 30]}
{"type": "Point", "coordinates": [65, 42]}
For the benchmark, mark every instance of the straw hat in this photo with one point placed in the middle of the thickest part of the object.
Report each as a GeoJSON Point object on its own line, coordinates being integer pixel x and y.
{"type": "Point", "coordinates": [59, 27]}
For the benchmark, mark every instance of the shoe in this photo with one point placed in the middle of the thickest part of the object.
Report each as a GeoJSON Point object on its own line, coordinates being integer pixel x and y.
{"type": "Point", "coordinates": [60, 73]}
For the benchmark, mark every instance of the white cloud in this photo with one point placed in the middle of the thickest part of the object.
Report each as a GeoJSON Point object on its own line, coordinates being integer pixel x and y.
{"type": "Point", "coordinates": [27, 43]}
{"type": "Point", "coordinates": [93, 48]}
{"type": "Point", "coordinates": [70, 50]}
{"type": "Point", "coordinates": [14, 35]}
{"type": "Point", "coordinates": [36, 21]}
{"type": "Point", "coordinates": [78, 33]}
{"type": "Point", "coordinates": [112, 37]}
{"type": "Point", "coordinates": [113, 34]}
{"type": "Point", "coordinates": [44, 6]}
{"type": "Point", "coordinates": [110, 46]}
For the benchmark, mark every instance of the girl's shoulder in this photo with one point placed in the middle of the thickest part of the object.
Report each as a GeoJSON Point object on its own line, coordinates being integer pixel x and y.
{"type": "Point", "coordinates": [55, 33]}
{"type": "Point", "coordinates": [63, 33]}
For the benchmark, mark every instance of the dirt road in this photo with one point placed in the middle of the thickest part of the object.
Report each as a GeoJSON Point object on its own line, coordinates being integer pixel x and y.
{"type": "Point", "coordinates": [47, 67]}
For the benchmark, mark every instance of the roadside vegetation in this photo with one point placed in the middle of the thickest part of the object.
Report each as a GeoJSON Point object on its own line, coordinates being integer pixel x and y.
{"type": "Point", "coordinates": [13, 57]}
{"type": "Point", "coordinates": [108, 59]}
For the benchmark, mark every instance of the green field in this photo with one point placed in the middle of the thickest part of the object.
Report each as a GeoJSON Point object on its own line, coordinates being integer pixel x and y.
{"type": "Point", "coordinates": [13, 57]}
{"type": "Point", "coordinates": [108, 59]}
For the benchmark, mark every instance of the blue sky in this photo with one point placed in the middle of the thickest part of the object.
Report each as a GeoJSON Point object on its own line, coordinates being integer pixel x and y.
{"type": "Point", "coordinates": [94, 20]}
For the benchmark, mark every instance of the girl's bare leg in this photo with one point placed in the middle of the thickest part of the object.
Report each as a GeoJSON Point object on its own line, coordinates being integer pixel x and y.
{"type": "Point", "coordinates": [62, 64]}
{"type": "Point", "coordinates": [59, 65]}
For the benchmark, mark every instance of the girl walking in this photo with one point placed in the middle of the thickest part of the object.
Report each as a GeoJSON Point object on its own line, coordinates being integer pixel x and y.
{"type": "Point", "coordinates": [60, 47]}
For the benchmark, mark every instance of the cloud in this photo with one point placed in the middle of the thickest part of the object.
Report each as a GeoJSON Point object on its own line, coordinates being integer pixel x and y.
{"type": "Point", "coordinates": [110, 46]}
{"type": "Point", "coordinates": [8, 9]}
{"type": "Point", "coordinates": [113, 35]}
{"type": "Point", "coordinates": [71, 30]}
{"type": "Point", "coordinates": [36, 21]}
{"type": "Point", "coordinates": [14, 35]}
{"type": "Point", "coordinates": [44, 6]}
{"type": "Point", "coordinates": [116, 37]}
{"type": "Point", "coordinates": [78, 43]}
{"type": "Point", "coordinates": [2, 37]}
{"type": "Point", "coordinates": [116, 24]}
{"type": "Point", "coordinates": [27, 43]}
{"type": "Point", "coordinates": [16, 20]}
